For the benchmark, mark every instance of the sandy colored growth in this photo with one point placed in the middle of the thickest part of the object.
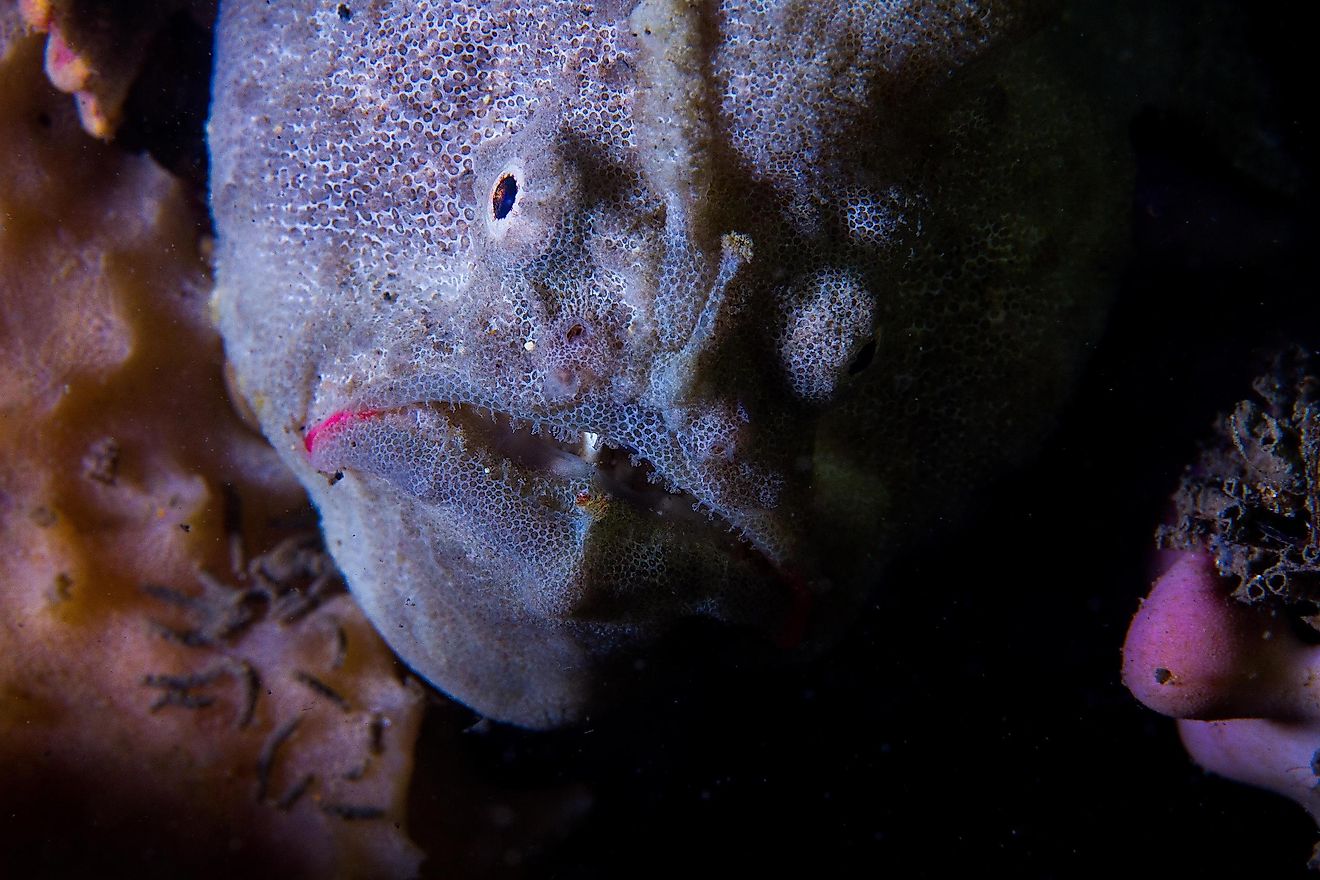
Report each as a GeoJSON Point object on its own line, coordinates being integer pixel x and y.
{"type": "Point", "coordinates": [184, 686]}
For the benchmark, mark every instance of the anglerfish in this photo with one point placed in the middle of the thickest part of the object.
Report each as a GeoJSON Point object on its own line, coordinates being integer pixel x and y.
{"type": "Point", "coordinates": [578, 319]}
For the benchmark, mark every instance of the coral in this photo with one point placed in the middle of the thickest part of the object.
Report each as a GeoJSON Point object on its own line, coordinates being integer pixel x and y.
{"type": "Point", "coordinates": [1253, 497]}
{"type": "Point", "coordinates": [183, 685]}
{"type": "Point", "coordinates": [773, 284]}
{"type": "Point", "coordinates": [1225, 642]}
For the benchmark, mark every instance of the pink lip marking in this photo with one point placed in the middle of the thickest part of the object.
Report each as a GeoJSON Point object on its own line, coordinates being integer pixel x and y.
{"type": "Point", "coordinates": [333, 421]}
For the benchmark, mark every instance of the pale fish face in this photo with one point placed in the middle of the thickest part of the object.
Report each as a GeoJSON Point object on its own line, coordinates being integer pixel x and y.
{"type": "Point", "coordinates": [578, 322]}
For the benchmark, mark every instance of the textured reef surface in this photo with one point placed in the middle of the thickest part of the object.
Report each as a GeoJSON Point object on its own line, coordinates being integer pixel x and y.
{"type": "Point", "coordinates": [580, 320]}
{"type": "Point", "coordinates": [184, 684]}
{"type": "Point", "coordinates": [1253, 498]}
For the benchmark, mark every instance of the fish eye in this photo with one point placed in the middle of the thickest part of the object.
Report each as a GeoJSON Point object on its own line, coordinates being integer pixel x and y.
{"type": "Point", "coordinates": [503, 196]}
{"type": "Point", "coordinates": [863, 358]}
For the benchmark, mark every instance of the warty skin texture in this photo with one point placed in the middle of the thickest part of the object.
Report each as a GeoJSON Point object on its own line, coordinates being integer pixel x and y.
{"type": "Point", "coordinates": [814, 269]}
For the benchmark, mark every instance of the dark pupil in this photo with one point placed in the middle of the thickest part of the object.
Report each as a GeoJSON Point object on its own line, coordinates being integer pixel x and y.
{"type": "Point", "coordinates": [863, 359]}
{"type": "Point", "coordinates": [502, 200]}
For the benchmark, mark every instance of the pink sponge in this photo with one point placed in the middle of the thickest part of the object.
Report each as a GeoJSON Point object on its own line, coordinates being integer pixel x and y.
{"type": "Point", "coordinates": [1194, 652]}
{"type": "Point", "coordinates": [1244, 685]}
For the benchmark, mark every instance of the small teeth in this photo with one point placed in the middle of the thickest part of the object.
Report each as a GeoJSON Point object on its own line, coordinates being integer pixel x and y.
{"type": "Point", "coordinates": [590, 446]}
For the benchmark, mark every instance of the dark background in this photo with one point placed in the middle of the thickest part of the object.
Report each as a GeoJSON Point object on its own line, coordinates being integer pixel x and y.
{"type": "Point", "coordinates": [974, 718]}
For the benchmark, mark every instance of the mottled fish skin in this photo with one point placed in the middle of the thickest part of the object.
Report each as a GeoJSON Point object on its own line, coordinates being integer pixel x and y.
{"type": "Point", "coordinates": [577, 319]}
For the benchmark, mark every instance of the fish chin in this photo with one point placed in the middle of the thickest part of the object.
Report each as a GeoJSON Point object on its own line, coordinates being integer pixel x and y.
{"type": "Point", "coordinates": [533, 557]}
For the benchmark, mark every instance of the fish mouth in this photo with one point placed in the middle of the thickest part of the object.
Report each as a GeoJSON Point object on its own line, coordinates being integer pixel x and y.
{"type": "Point", "coordinates": [566, 471]}
{"type": "Point", "coordinates": [569, 485]}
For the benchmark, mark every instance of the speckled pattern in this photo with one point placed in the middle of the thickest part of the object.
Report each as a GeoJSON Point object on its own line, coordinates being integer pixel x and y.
{"type": "Point", "coordinates": [779, 282]}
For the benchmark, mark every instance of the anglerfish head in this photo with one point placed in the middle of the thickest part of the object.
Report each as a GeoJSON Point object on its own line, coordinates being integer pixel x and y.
{"type": "Point", "coordinates": [568, 316]}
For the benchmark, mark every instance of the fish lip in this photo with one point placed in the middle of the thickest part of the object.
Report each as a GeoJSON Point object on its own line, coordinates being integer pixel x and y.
{"type": "Point", "coordinates": [694, 519]}
{"type": "Point", "coordinates": [339, 417]}
{"type": "Point", "coordinates": [645, 493]}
